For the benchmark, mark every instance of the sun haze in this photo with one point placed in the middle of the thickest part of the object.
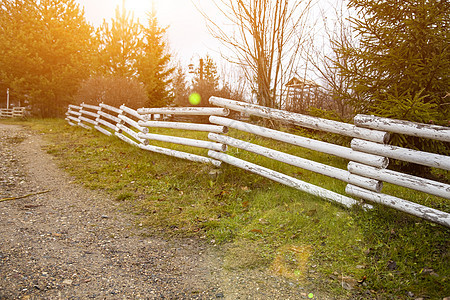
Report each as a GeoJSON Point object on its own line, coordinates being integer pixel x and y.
{"type": "Point", "coordinates": [187, 32]}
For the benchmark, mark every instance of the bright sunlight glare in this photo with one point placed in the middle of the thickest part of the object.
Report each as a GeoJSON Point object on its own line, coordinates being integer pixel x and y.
{"type": "Point", "coordinates": [187, 31]}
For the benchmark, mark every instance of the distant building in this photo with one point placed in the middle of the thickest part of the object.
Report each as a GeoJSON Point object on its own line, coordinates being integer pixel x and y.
{"type": "Point", "coordinates": [303, 94]}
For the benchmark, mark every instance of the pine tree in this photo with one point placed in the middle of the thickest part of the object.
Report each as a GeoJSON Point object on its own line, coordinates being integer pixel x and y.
{"type": "Point", "coordinates": [180, 87]}
{"type": "Point", "coordinates": [45, 51]}
{"type": "Point", "coordinates": [119, 44]}
{"type": "Point", "coordinates": [206, 80]}
{"type": "Point", "coordinates": [153, 66]}
{"type": "Point", "coordinates": [401, 67]}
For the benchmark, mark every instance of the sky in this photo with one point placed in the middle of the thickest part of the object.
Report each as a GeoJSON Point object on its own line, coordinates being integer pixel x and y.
{"type": "Point", "coordinates": [187, 33]}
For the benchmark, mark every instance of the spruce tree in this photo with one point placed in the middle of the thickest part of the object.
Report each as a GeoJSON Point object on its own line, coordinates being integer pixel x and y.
{"type": "Point", "coordinates": [119, 44]}
{"type": "Point", "coordinates": [400, 69]}
{"type": "Point", "coordinates": [153, 65]}
{"type": "Point", "coordinates": [180, 87]}
{"type": "Point", "coordinates": [46, 50]}
{"type": "Point", "coordinates": [206, 80]}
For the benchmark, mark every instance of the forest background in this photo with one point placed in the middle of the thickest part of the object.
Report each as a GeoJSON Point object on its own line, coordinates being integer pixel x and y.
{"type": "Point", "coordinates": [385, 58]}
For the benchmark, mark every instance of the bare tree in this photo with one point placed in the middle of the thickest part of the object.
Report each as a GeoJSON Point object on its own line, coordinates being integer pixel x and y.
{"type": "Point", "coordinates": [323, 59]}
{"type": "Point", "coordinates": [264, 40]}
{"type": "Point", "coordinates": [233, 84]}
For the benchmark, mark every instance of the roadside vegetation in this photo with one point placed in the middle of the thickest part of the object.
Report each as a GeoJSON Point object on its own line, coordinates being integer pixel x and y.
{"type": "Point", "coordinates": [387, 58]}
{"type": "Point", "coordinates": [378, 254]}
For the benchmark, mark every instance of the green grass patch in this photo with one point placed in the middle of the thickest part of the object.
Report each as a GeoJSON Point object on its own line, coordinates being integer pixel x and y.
{"type": "Point", "coordinates": [289, 233]}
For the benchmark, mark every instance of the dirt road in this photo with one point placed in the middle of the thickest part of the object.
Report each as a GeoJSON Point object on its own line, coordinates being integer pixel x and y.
{"type": "Point", "coordinates": [66, 242]}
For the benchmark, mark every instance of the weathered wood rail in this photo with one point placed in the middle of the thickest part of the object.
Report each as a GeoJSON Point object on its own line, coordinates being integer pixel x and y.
{"type": "Point", "coordinates": [15, 112]}
{"type": "Point", "coordinates": [368, 155]}
{"type": "Point", "coordinates": [147, 114]}
{"type": "Point", "coordinates": [434, 132]}
{"type": "Point", "coordinates": [132, 127]}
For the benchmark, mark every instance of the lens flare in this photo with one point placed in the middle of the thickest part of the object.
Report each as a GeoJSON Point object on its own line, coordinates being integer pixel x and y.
{"type": "Point", "coordinates": [195, 99]}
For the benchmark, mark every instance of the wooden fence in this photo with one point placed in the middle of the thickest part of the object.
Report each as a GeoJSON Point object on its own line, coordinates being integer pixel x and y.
{"type": "Point", "coordinates": [16, 112]}
{"type": "Point", "coordinates": [131, 126]}
{"type": "Point", "coordinates": [368, 156]}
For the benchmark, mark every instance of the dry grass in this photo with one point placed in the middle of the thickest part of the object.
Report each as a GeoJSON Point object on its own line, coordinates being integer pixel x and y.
{"type": "Point", "coordinates": [289, 232]}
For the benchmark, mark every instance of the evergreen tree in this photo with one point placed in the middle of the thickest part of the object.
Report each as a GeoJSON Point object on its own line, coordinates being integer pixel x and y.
{"type": "Point", "coordinates": [180, 87]}
{"type": "Point", "coordinates": [153, 66]}
{"type": "Point", "coordinates": [119, 44]}
{"type": "Point", "coordinates": [400, 68]}
{"type": "Point", "coordinates": [45, 51]}
{"type": "Point", "coordinates": [206, 80]}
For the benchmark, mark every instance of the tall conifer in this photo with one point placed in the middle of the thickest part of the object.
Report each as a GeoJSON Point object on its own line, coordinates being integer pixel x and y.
{"type": "Point", "coordinates": [400, 68]}
{"type": "Point", "coordinates": [154, 69]}
{"type": "Point", "coordinates": [46, 50]}
{"type": "Point", "coordinates": [119, 44]}
{"type": "Point", "coordinates": [206, 80]}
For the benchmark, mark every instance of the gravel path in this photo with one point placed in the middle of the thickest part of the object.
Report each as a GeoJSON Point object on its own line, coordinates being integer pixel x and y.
{"type": "Point", "coordinates": [71, 243]}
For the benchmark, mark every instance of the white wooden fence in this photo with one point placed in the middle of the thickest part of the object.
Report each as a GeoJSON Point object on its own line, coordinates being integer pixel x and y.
{"type": "Point", "coordinates": [131, 126]}
{"type": "Point", "coordinates": [15, 112]}
{"type": "Point", "coordinates": [368, 155]}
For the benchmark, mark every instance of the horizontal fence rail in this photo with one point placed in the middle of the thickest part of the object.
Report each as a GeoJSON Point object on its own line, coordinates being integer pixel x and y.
{"type": "Point", "coordinates": [408, 207]}
{"type": "Point", "coordinates": [181, 154]}
{"type": "Point", "coordinates": [184, 126]}
{"type": "Point", "coordinates": [344, 152]}
{"type": "Point", "coordinates": [368, 155]}
{"type": "Point", "coordinates": [183, 141]}
{"type": "Point", "coordinates": [109, 116]}
{"type": "Point", "coordinates": [132, 127]}
{"type": "Point", "coordinates": [190, 111]}
{"type": "Point", "coordinates": [15, 112]}
{"type": "Point", "coordinates": [404, 154]}
{"type": "Point", "coordinates": [302, 120]}
{"type": "Point", "coordinates": [439, 133]}
{"type": "Point", "coordinates": [305, 164]}
{"type": "Point", "coordinates": [284, 179]}
{"type": "Point", "coordinates": [131, 112]}
{"type": "Point", "coordinates": [413, 182]}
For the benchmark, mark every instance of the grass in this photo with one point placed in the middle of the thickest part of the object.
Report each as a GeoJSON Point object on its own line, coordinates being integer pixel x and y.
{"type": "Point", "coordinates": [289, 233]}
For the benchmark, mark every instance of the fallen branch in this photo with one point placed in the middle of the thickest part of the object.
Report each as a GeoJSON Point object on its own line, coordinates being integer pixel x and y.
{"type": "Point", "coordinates": [20, 197]}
